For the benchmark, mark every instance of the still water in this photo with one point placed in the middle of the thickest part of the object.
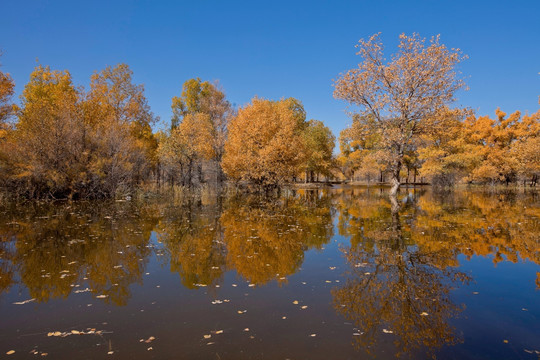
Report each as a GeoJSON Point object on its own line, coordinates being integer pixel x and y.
{"type": "Point", "coordinates": [322, 274]}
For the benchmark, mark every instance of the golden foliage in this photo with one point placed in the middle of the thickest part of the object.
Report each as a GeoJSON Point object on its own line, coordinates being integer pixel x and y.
{"type": "Point", "coordinates": [397, 97]}
{"type": "Point", "coordinates": [68, 143]}
{"type": "Point", "coordinates": [265, 145]}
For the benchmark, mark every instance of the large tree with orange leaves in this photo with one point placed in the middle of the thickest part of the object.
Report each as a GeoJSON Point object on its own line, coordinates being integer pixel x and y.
{"type": "Point", "coordinates": [401, 94]}
{"type": "Point", "coordinates": [265, 144]}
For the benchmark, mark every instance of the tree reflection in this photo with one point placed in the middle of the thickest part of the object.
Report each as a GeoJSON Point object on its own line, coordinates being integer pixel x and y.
{"type": "Point", "coordinates": [266, 240]}
{"type": "Point", "coordinates": [403, 264]}
{"type": "Point", "coordinates": [192, 237]}
{"type": "Point", "coordinates": [58, 249]}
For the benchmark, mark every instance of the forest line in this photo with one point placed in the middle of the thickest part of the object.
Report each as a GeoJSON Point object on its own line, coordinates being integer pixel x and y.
{"type": "Point", "coordinates": [63, 141]}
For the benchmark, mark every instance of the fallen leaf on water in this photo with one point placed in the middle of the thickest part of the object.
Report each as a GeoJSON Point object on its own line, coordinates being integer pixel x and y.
{"type": "Point", "coordinates": [10, 352]}
{"type": "Point", "coordinates": [210, 343]}
{"type": "Point", "coordinates": [357, 334]}
{"type": "Point", "coordinates": [313, 335]}
{"type": "Point", "coordinates": [24, 302]}
{"type": "Point", "coordinates": [207, 336]}
{"type": "Point", "coordinates": [424, 314]}
{"type": "Point", "coordinates": [150, 348]}
{"type": "Point", "coordinates": [295, 302]}
{"type": "Point", "coordinates": [328, 281]}
{"type": "Point", "coordinates": [150, 339]}
{"type": "Point", "coordinates": [110, 352]}
{"type": "Point", "coordinates": [242, 311]}
{"type": "Point", "coordinates": [304, 307]}
{"type": "Point", "coordinates": [75, 332]}
{"type": "Point", "coordinates": [387, 331]}
{"type": "Point", "coordinates": [284, 317]}
{"type": "Point", "coordinates": [101, 296]}
{"type": "Point", "coordinates": [505, 341]}
{"type": "Point", "coordinates": [246, 329]}
{"type": "Point", "coordinates": [475, 292]}
{"type": "Point", "coordinates": [219, 332]}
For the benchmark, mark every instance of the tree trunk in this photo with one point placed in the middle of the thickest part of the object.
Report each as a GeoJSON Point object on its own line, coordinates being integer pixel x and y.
{"type": "Point", "coordinates": [395, 176]}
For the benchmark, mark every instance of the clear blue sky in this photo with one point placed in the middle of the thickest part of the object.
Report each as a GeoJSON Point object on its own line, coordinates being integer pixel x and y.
{"type": "Point", "coordinates": [272, 49]}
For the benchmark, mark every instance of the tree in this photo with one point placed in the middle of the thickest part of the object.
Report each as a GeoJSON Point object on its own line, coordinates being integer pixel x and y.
{"type": "Point", "coordinates": [319, 144]}
{"type": "Point", "coordinates": [7, 109]}
{"type": "Point", "coordinates": [120, 118]}
{"type": "Point", "coordinates": [186, 144]}
{"type": "Point", "coordinates": [265, 144]}
{"type": "Point", "coordinates": [362, 149]}
{"type": "Point", "coordinates": [403, 93]}
{"type": "Point", "coordinates": [205, 98]}
{"type": "Point", "coordinates": [49, 154]}
{"type": "Point", "coordinates": [445, 153]}
{"type": "Point", "coordinates": [7, 89]}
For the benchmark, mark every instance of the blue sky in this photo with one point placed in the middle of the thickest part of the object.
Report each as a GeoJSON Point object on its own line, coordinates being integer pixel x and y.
{"type": "Point", "coordinates": [272, 49]}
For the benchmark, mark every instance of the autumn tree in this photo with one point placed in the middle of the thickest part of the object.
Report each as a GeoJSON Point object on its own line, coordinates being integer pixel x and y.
{"type": "Point", "coordinates": [319, 144]}
{"type": "Point", "coordinates": [265, 144]}
{"type": "Point", "coordinates": [361, 149]}
{"type": "Point", "coordinates": [401, 94]}
{"type": "Point", "coordinates": [209, 100]}
{"type": "Point", "coordinates": [446, 155]}
{"type": "Point", "coordinates": [49, 154]}
{"type": "Point", "coordinates": [120, 118]}
{"type": "Point", "coordinates": [7, 89]}
{"type": "Point", "coordinates": [526, 148]}
{"type": "Point", "coordinates": [184, 146]}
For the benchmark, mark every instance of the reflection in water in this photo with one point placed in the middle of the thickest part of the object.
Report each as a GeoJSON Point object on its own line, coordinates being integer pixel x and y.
{"type": "Point", "coordinates": [395, 286]}
{"type": "Point", "coordinates": [262, 240]}
{"type": "Point", "coordinates": [54, 249]}
{"type": "Point", "coordinates": [192, 238]}
{"type": "Point", "coordinates": [267, 240]}
{"type": "Point", "coordinates": [402, 266]}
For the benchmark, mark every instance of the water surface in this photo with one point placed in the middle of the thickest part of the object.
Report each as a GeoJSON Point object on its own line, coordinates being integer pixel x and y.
{"type": "Point", "coordinates": [322, 274]}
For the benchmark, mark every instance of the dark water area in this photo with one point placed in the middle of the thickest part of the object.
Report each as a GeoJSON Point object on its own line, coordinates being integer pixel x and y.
{"type": "Point", "coordinates": [322, 274]}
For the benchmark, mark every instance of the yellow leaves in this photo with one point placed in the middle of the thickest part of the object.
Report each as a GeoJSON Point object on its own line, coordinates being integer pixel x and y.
{"type": "Point", "coordinates": [264, 144]}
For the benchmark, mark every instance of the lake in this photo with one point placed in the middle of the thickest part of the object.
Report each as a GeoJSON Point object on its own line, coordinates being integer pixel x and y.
{"type": "Point", "coordinates": [313, 274]}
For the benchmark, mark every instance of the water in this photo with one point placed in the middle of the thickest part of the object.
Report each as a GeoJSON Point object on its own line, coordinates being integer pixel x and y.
{"type": "Point", "coordinates": [330, 274]}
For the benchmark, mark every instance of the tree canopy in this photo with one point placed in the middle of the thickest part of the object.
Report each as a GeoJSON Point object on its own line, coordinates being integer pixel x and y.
{"type": "Point", "coordinates": [398, 97]}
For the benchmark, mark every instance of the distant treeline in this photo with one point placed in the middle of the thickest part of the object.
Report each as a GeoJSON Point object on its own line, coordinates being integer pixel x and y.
{"type": "Point", "coordinates": [459, 148]}
{"type": "Point", "coordinates": [64, 141]}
